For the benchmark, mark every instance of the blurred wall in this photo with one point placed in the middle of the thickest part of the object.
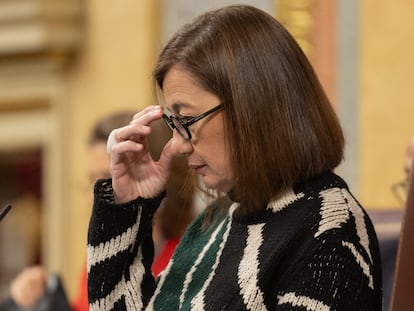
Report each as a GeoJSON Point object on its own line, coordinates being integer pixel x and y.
{"type": "Point", "coordinates": [113, 72]}
{"type": "Point", "coordinates": [386, 98]}
{"type": "Point", "coordinates": [39, 39]}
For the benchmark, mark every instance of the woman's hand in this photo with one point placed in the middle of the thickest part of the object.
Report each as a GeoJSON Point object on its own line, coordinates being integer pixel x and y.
{"type": "Point", "coordinates": [134, 172]}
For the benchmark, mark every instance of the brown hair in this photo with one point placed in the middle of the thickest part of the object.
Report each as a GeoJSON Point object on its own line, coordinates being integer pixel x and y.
{"type": "Point", "coordinates": [280, 126]}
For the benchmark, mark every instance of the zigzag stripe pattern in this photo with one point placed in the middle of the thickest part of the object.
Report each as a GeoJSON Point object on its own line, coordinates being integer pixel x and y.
{"type": "Point", "coordinates": [302, 301]}
{"type": "Point", "coordinates": [133, 293]}
{"type": "Point", "coordinates": [360, 260]}
{"type": "Point", "coordinates": [108, 302]}
{"type": "Point", "coordinates": [128, 289]}
{"type": "Point", "coordinates": [189, 275]}
{"type": "Point", "coordinates": [360, 223]}
{"type": "Point", "coordinates": [106, 250]}
{"type": "Point", "coordinates": [285, 200]}
{"type": "Point", "coordinates": [319, 253]}
{"type": "Point", "coordinates": [334, 210]}
{"type": "Point", "coordinates": [161, 280]}
{"type": "Point", "coordinates": [197, 302]}
{"type": "Point", "coordinates": [249, 269]}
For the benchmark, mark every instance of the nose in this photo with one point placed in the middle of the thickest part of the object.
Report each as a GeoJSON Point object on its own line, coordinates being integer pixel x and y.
{"type": "Point", "coordinates": [180, 146]}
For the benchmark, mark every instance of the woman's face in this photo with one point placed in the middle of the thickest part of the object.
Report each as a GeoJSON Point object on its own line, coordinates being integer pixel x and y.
{"type": "Point", "coordinates": [206, 151]}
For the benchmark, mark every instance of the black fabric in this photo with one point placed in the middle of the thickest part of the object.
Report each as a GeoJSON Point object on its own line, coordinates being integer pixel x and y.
{"type": "Point", "coordinates": [312, 248]}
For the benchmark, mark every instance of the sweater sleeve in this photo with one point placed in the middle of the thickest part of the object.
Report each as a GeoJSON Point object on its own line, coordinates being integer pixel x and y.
{"type": "Point", "coordinates": [331, 277]}
{"type": "Point", "coordinates": [120, 251]}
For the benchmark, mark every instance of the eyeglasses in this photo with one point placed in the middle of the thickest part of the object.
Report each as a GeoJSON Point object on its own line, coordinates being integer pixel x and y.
{"type": "Point", "coordinates": [181, 124]}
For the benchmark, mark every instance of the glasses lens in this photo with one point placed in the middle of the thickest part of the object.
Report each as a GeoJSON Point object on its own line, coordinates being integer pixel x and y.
{"type": "Point", "coordinates": [180, 128]}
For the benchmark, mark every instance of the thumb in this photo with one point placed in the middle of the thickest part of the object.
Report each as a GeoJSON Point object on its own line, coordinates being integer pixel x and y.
{"type": "Point", "coordinates": [166, 156]}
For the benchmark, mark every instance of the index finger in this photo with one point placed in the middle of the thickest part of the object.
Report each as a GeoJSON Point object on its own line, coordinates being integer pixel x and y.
{"type": "Point", "coordinates": [143, 118]}
{"type": "Point", "coordinates": [148, 115]}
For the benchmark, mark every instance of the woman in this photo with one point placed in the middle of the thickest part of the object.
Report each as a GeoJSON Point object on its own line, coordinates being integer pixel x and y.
{"type": "Point", "coordinates": [248, 112]}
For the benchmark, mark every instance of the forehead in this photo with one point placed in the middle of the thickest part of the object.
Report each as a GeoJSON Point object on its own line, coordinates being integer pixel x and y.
{"type": "Point", "coordinates": [184, 93]}
{"type": "Point", "coordinates": [181, 88]}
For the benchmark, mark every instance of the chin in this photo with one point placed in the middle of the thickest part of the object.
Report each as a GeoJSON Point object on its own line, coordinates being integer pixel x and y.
{"type": "Point", "coordinates": [218, 185]}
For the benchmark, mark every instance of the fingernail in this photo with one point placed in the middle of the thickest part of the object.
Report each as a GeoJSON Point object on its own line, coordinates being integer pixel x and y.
{"type": "Point", "coordinates": [156, 108]}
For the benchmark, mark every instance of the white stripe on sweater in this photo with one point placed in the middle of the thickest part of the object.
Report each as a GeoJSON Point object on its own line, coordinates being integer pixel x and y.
{"type": "Point", "coordinates": [286, 199]}
{"type": "Point", "coordinates": [133, 295]}
{"type": "Point", "coordinates": [249, 270]}
{"type": "Point", "coordinates": [302, 301]}
{"type": "Point", "coordinates": [360, 260]}
{"type": "Point", "coordinates": [334, 210]}
{"type": "Point", "coordinates": [161, 280]}
{"type": "Point", "coordinates": [197, 303]}
{"type": "Point", "coordinates": [103, 251]}
{"type": "Point", "coordinates": [131, 290]}
{"type": "Point", "coordinates": [360, 223]}
{"type": "Point", "coordinates": [107, 303]}
{"type": "Point", "coordinates": [189, 276]}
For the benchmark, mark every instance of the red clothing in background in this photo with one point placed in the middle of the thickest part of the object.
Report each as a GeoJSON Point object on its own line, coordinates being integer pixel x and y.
{"type": "Point", "coordinates": [163, 258]}
{"type": "Point", "coordinates": [81, 301]}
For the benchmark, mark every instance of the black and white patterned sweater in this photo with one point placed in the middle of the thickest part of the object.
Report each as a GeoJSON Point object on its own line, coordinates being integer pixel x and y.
{"type": "Point", "coordinates": [313, 249]}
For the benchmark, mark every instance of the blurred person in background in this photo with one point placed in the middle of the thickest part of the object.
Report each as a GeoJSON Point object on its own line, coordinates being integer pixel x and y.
{"type": "Point", "coordinates": [169, 224]}
{"type": "Point", "coordinates": [400, 189]}
{"type": "Point", "coordinates": [409, 157]}
{"type": "Point", "coordinates": [21, 233]}
{"type": "Point", "coordinates": [389, 244]}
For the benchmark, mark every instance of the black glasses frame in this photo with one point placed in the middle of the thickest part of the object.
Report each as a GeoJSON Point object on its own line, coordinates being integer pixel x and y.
{"type": "Point", "coordinates": [181, 124]}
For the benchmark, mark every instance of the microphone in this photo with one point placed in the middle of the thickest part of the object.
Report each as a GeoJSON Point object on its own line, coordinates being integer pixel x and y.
{"type": "Point", "coordinates": [4, 211]}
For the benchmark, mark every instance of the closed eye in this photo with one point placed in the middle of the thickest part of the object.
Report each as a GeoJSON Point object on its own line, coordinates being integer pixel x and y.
{"type": "Point", "coordinates": [177, 115]}
{"type": "Point", "coordinates": [185, 119]}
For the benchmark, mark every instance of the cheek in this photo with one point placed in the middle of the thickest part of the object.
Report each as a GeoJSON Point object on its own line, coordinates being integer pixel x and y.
{"type": "Point", "coordinates": [218, 159]}
{"type": "Point", "coordinates": [212, 147]}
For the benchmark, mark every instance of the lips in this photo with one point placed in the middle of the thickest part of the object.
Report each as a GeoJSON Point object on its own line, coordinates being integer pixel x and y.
{"type": "Point", "coordinates": [197, 167]}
